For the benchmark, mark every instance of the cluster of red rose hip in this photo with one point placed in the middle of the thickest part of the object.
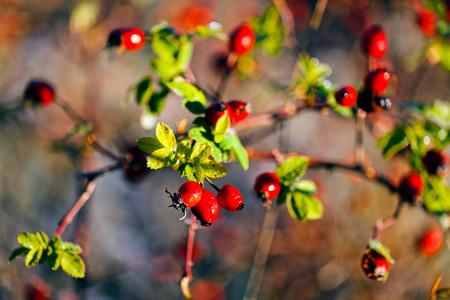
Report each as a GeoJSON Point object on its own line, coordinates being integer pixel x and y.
{"type": "Point", "coordinates": [428, 19]}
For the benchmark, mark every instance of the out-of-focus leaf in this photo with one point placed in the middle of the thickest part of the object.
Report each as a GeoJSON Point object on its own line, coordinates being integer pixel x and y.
{"type": "Point", "coordinates": [393, 142]}
{"type": "Point", "coordinates": [436, 196]}
{"type": "Point", "coordinates": [306, 186]}
{"type": "Point", "coordinates": [304, 207]}
{"type": "Point", "coordinates": [380, 248]}
{"type": "Point", "coordinates": [284, 195]}
{"type": "Point", "coordinates": [143, 91]}
{"type": "Point", "coordinates": [21, 251]}
{"type": "Point", "coordinates": [292, 169]}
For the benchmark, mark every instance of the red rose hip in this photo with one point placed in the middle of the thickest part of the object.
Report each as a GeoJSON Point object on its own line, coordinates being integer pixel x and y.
{"type": "Point", "coordinates": [374, 41]}
{"type": "Point", "coordinates": [377, 80]}
{"type": "Point", "coordinates": [436, 163]}
{"type": "Point", "coordinates": [207, 210]}
{"type": "Point", "coordinates": [230, 198]}
{"type": "Point", "coordinates": [410, 187]}
{"type": "Point", "coordinates": [215, 111]}
{"type": "Point", "coordinates": [239, 110]}
{"type": "Point", "coordinates": [39, 92]}
{"type": "Point", "coordinates": [346, 96]}
{"type": "Point", "coordinates": [242, 40]}
{"type": "Point", "coordinates": [131, 39]}
{"type": "Point", "coordinates": [431, 242]}
{"type": "Point", "coordinates": [375, 265]}
{"type": "Point", "coordinates": [267, 185]}
{"type": "Point", "coordinates": [427, 21]}
{"type": "Point", "coordinates": [191, 193]}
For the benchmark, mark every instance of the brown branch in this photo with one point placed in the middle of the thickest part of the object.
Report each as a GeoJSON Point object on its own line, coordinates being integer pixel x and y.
{"type": "Point", "coordinates": [67, 219]}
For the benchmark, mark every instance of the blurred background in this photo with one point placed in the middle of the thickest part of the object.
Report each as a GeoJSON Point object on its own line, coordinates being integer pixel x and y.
{"type": "Point", "coordinates": [133, 245]}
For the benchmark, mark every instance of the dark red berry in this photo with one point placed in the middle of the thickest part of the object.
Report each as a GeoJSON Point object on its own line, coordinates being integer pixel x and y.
{"type": "Point", "coordinates": [191, 193]}
{"type": "Point", "coordinates": [346, 96]}
{"type": "Point", "coordinates": [377, 80]}
{"type": "Point", "coordinates": [436, 163]}
{"type": "Point", "coordinates": [411, 186]}
{"type": "Point", "coordinates": [242, 40]}
{"type": "Point", "coordinates": [215, 111]}
{"type": "Point", "coordinates": [207, 209]}
{"type": "Point", "coordinates": [427, 21]}
{"type": "Point", "coordinates": [230, 198]}
{"type": "Point", "coordinates": [431, 242]}
{"type": "Point", "coordinates": [267, 185]}
{"type": "Point", "coordinates": [130, 39]}
{"type": "Point", "coordinates": [239, 110]}
{"type": "Point", "coordinates": [374, 41]}
{"type": "Point", "coordinates": [39, 92]}
{"type": "Point", "coordinates": [137, 164]}
{"type": "Point", "coordinates": [371, 101]}
{"type": "Point", "coordinates": [375, 265]}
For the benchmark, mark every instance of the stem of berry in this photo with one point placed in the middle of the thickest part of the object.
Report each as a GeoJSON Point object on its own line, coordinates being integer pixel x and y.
{"type": "Point", "coordinates": [67, 219]}
{"type": "Point", "coordinates": [261, 255]}
{"type": "Point", "coordinates": [382, 225]}
{"type": "Point", "coordinates": [359, 142]}
{"type": "Point", "coordinates": [212, 184]}
{"type": "Point", "coordinates": [187, 278]}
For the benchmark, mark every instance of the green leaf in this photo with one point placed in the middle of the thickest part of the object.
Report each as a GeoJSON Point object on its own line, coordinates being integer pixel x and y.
{"type": "Point", "coordinates": [166, 69]}
{"type": "Point", "coordinates": [158, 100]}
{"type": "Point", "coordinates": [200, 134]}
{"type": "Point", "coordinates": [184, 149]}
{"type": "Point", "coordinates": [194, 172]}
{"type": "Point", "coordinates": [303, 207]}
{"type": "Point", "coordinates": [416, 135]}
{"type": "Point", "coordinates": [194, 99]}
{"type": "Point", "coordinates": [233, 143]}
{"type": "Point", "coordinates": [195, 107]}
{"type": "Point", "coordinates": [143, 91]}
{"type": "Point", "coordinates": [306, 186]}
{"type": "Point", "coordinates": [200, 152]}
{"type": "Point", "coordinates": [393, 142]}
{"type": "Point", "coordinates": [160, 158]}
{"type": "Point", "coordinates": [436, 196]}
{"type": "Point", "coordinates": [213, 169]}
{"type": "Point", "coordinates": [269, 29]}
{"type": "Point", "coordinates": [185, 53]}
{"type": "Point", "coordinates": [73, 265]}
{"type": "Point", "coordinates": [346, 112]}
{"type": "Point", "coordinates": [54, 259]}
{"type": "Point", "coordinates": [380, 248]}
{"type": "Point", "coordinates": [55, 243]}
{"type": "Point", "coordinates": [439, 113]}
{"type": "Point", "coordinates": [149, 144]}
{"type": "Point", "coordinates": [221, 128]}
{"type": "Point", "coordinates": [43, 238]}
{"type": "Point", "coordinates": [284, 195]}
{"type": "Point", "coordinates": [213, 30]}
{"type": "Point", "coordinates": [292, 169]}
{"type": "Point", "coordinates": [21, 251]}
{"type": "Point", "coordinates": [28, 240]}
{"type": "Point", "coordinates": [443, 293]}
{"type": "Point", "coordinates": [33, 257]}
{"type": "Point", "coordinates": [165, 44]}
{"type": "Point", "coordinates": [165, 135]}
{"type": "Point", "coordinates": [71, 248]}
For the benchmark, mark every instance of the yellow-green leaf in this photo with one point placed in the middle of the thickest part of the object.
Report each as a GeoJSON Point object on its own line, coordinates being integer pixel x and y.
{"type": "Point", "coordinates": [73, 265]}
{"type": "Point", "coordinates": [160, 158]}
{"type": "Point", "coordinates": [165, 136]}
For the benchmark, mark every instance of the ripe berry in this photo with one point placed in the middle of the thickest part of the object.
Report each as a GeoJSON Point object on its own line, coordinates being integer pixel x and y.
{"type": "Point", "coordinates": [370, 101]}
{"type": "Point", "coordinates": [230, 198]}
{"type": "Point", "coordinates": [267, 185]}
{"type": "Point", "coordinates": [130, 39]}
{"type": "Point", "coordinates": [377, 80]}
{"type": "Point", "coordinates": [242, 40]}
{"type": "Point", "coordinates": [39, 92]}
{"type": "Point", "coordinates": [375, 265]}
{"type": "Point", "coordinates": [411, 186]}
{"type": "Point", "coordinates": [239, 110]}
{"type": "Point", "coordinates": [215, 111]}
{"type": "Point", "coordinates": [431, 242]}
{"type": "Point", "coordinates": [374, 41]}
{"type": "Point", "coordinates": [207, 209]}
{"type": "Point", "coordinates": [189, 194]}
{"type": "Point", "coordinates": [427, 22]}
{"type": "Point", "coordinates": [137, 164]}
{"type": "Point", "coordinates": [346, 96]}
{"type": "Point", "coordinates": [436, 163]}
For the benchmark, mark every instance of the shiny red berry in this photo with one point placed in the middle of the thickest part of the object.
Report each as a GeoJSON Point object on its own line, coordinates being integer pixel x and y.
{"type": "Point", "coordinates": [267, 185]}
{"type": "Point", "coordinates": [230, 198]}
{"type": "Point", "coordinates": [130, 39]}
{"type": "Point", "coordinates": [377, 80]}
{"type": "Point", "coordinates": [137, 164]}
{"type": "Point", "coordinates": [239, 110]}
{"type": "Point", "coordinates": [39, 92]}
{"type": "Point", "coordinates": [375, 265]}
{"type": "Point", "coordinates": [242, 40]}
{"type": "Point", "coordinates": [374, 41]}
{"type": "Point", "coordinates": [346, 96]}
{"type": "Point", "coordinates": [427, 21]}
{"type": "Point", "coordinates": [191, 193]}
{"type": "Point", "coordinates": [436, 163]}
{"type": "Point", "coordinates": [431, 242]}
{"type": "Point", "coordinates": [215, 111]}
{"type": "Point", "coordinates": [207, 209]}
{"type": "Point", "coordinates": [410, 187]}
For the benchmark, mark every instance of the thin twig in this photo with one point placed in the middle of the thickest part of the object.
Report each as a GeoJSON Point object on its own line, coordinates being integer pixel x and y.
{"type": "Point", "coordinates": [67, 219]}
{"type": "Point", "coordinates": [212, 184]}
{"type": "Point", "coordinates": [187, 278]}
{"type": "Point", "coordinates": [359, 141]}
{"type": "Point", "coordinates": [94, 174]}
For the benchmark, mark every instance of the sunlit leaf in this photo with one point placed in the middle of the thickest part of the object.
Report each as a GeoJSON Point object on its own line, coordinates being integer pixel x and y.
{"type": "Point", "coordinates": [292, 169]}
{"type": "Point", "coordinates": [165, 135]}
{"type": "Point", "coordinates": [73, 265]}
